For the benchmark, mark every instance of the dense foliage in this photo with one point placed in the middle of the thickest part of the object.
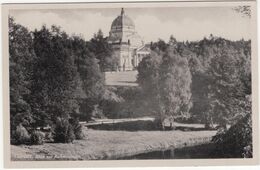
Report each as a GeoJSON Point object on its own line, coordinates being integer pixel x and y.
{"type": "Point", "coordinates": [20, 135]}
{"type": "Point", "coordinates": [55, 77]}
{"type": "Point", "coordinates": [237, 141]}
{"type": "Point", "coordinates": [103, 51]}
{"type": "Point", "coordinates": [57, 80]}
{"type": "Point", "coordinates": [37, 137]}
{"type": "Point", "coordinates": [165, 79]}
{"type": "Point", "coordinates": [124, 102]}
{"type": "Point", "coordinates": [219, 82]}
{"type": "Point", "coordinates": [21, 55]}
{"type": "Point", "coordinates": [92, 79]}
{"type": "Point", "coordinates": [174, 85]}
{"type": "Point", "coordinates": [63, 131]}
{"type": "Point", "coordinates": [220, 77]}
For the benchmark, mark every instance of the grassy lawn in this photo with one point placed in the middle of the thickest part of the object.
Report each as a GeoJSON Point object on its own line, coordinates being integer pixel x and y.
{"type": "Point", "coordinates": [127, 78]}
{"type": "Point", "coordinates": [101, 144]}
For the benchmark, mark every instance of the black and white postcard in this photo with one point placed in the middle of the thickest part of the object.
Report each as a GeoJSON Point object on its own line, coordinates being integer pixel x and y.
{"type": "Point", "coordinates": [130, 84]}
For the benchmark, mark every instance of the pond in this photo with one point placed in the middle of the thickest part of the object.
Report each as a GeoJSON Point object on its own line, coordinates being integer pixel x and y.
{"type": "Point", "coordinates": [195, 152]}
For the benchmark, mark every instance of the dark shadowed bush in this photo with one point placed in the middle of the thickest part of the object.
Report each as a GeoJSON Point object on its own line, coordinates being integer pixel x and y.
{"type": "Point", "coordinates": [237, 141]}
{"type": "Point", "coordinates": [63, 131]}
{"type": "Point", "coordinates": [20, 135]}
{"type": "Point", "coordinates": [49, 136]}
{"type": "Point", "coordinates": [78, 131]}
{"type": "Point", "coordinates": [77, 128]}
{"type": "Point", "coordinates": [125, 102]}
{"type": "Point", "coordinates": [37, 138]}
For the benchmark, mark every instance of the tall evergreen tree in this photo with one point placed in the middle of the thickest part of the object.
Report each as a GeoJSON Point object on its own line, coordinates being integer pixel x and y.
{"type": "Point", "coordinates": [21, 55]}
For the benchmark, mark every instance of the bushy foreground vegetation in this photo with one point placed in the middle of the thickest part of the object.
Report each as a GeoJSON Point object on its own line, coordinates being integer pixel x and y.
{"type": "Point", "coordinates": [57, 80]}
{"type": "Point", "coordinates": [237, 141]}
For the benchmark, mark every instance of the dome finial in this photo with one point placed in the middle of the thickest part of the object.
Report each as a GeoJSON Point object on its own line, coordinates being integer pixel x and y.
{"type": "Point", "coordinates": [122, 11]}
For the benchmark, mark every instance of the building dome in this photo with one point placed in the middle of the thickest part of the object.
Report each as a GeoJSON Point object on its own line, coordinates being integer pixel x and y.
{"type": "Point", "coordinates": [123, 32]}
{"type": "Point", "coordinates": [125, 42]}
{"type": "Point", "coordinates": [122, 21]}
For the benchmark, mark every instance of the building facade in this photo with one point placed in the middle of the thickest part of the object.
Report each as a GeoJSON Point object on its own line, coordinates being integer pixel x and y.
{"type": "Point", "coordinates": [127, 44]}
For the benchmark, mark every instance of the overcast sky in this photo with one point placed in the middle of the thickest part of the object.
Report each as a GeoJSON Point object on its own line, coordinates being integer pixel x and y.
{"type": "Point", "coordinates": [184, 23]}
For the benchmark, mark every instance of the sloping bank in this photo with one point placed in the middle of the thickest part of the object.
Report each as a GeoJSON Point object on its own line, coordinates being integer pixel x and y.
{"type": "Point", "coordinates": [101, 144]}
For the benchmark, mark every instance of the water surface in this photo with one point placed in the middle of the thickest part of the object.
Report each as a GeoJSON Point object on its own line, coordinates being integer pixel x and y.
{"type": "Point", "coordinates": [195, 152]}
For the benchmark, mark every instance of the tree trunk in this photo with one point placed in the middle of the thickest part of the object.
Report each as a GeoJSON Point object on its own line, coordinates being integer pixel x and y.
{"type": "Point", "coordinates": [162, 124]}
{"type": "Point", "coordinates": [209, 124]}
{"type": "Point", "coordinates": [172, 126]}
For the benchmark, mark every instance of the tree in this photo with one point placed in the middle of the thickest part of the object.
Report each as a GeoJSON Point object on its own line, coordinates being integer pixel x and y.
{"type": "Point", "coordinates": [201, 97]}
{"type": "Point", "coordinates": [148, 72]}
{"type": "Point", "coordinates": [90, 75]}
{"type": "Point", "coordinates": [103, 52]}
{"type": "Point", "coordinates": [159, 46]}
{"type": "Point", "coordinates": [21, 55]}
{"type": "Point", "coordinates": [172, 41]}
{"type": "Point", "coordinates": [148, 77]}
{"type": "Point", "coordinates": [237, 140]}
{"type": "Point", "coordinates": [236, 55]}
{"type": "Point", "coordinates": [55, 77]}
{"type": "Point", "coordinates": [166, 83]}
{"type": "Point", "coordinates": [245, 10]}
{"type": "Point", "coordinates": [227, 88]}
{"type": "Point", "coordinates": [174, 85]}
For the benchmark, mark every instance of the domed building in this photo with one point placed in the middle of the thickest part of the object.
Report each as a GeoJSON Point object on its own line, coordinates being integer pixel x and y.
{"type": "Point", "coordinates": [127, 45]}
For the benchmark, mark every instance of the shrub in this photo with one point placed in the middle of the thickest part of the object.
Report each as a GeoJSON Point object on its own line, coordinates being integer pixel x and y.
{"type": "Point", "coordinates": [63, 131]}
{"type": "Point", "coordinates": [237, 141]}
{"type": "Point", "coordinates": [124, 102]}
{"type": "Point", "coordinates": [78, 131]}
{"type": "Point", "coordinates": [20, 135]}
{"type": "Point", "coordinates": [37, 137]}
{"type": "Point", "coordinates": [49, 136]}
{"type": "Point", "coordinates": [77, 128]}
{"type": "Point", "coordinates": [70, 137]}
